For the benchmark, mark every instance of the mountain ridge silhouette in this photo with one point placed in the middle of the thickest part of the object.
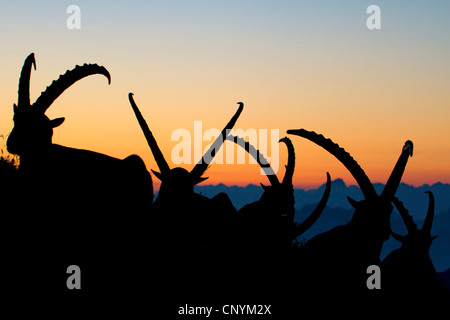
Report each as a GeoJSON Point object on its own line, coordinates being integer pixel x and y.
{"type": "Point", "coordinates": [413, 197]}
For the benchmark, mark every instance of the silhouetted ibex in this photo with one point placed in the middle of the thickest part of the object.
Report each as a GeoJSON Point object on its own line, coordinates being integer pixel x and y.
{"type": "Point", "coordinates": [270, 220]}
{"type": "Point", "coordinates": [76, 201]}
{"type": "Point", "coordinates": [186, 225]}
{"type": "Point", "coordinates": [409, 269]}
{"type": "Point", "coordinates": [338, 259]}
{"type": "Point", "coordinates": [191, 216]}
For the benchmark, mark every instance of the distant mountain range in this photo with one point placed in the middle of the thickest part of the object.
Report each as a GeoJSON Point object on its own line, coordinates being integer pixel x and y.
{"type": "Point", "coordinates": [413, 197]}
{"type": "Point", "coordinates": [339, 211]}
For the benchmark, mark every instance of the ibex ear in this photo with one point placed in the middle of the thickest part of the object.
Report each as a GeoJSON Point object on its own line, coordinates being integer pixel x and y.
{"type": "Point", "coordinates": [15, 108]}
{"type": "Point", "coordinates": [56, 122]}
{"type": "Point", "coordinates": [353, 202]}
{"type": "Point", "coordinates": [398, 237]}
{"type": "Point", "coordinates": [265, 188]}
{"type": "Point", "coordinates": [158, 175]}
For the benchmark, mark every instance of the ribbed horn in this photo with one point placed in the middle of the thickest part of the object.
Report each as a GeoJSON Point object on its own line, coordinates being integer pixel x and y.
{"type": "Point", "coordinates": [57, 87]}
{"type": "Point", "coordinates": [259, 158]}
{"type": "Point", "coordinates": [343, 156]}
{"type": "Point", "coordinates": [24, 81]}
{"type": "Point", "coordinates": [151, 141]}
{"type": "Point", "coordinates": [430, 214]}
{"type": "Point", "coordinates": [305, 225]}
{"type": "Point", "coordinates": [396, 176]}
{"type": "Point", "coordinates": [404, 213]}
{"type": "Point", "coordinates": [203, 164]}
{"type": "Point", "coordinates": [291, 161]}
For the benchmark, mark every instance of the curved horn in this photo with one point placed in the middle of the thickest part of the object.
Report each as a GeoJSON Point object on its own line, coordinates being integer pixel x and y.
{"type": "Point", "coordinates": [430, 214]}
{"type": "Point", "coordinates": [404, 213]}
{"type": "Point", "coordinates": [263, 163]}
{"type": "Point", "coordinates": [151, 141]}
{"type": "Point", "coordinates": [24, 81]}
{"type": "Point", "coordinates": [64, 81]}
{"type": "Point", "coordinates": [291, 161]}
{"type": "Point", "coordinates": [203, 164]}
{"type": "Point", "coordinates": [305, 225]}
{"type": "Point", "coordinates": [343, 156]}
{"type": "Point", "coordinates": [396, 176]}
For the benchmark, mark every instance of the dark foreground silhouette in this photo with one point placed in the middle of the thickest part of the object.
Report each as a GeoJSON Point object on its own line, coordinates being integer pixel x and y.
{"type": "Point", "coordinates": [65, 207]}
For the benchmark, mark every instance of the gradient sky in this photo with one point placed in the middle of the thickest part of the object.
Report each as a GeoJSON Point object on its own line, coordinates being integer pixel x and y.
{"type": "Point", "coordinates": [310, 64]}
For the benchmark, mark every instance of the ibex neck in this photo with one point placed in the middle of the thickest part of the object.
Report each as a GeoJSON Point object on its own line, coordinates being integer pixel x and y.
{"type": "Point", "coordinates": [36, 158]}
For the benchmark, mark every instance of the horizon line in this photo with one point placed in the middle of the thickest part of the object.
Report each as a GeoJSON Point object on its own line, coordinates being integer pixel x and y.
{"type": "Point", "coordinates": [311, 187]}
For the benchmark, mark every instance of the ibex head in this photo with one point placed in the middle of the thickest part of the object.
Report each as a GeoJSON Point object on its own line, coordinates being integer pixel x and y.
{"type": "Point", "coordinates": [418, 240]}
{"type": "Point", "coordinates": [278, 193]}
{"type": "Point", "coordinates": [278, 198]}
{"type": "Point", "coordinates": [179, 181]}
{"type": "Point", "coordinates": [372, 215]}
{"type": "Point", "coordinates": [32, 128]}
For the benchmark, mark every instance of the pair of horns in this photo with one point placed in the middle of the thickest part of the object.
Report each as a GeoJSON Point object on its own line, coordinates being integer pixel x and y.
{"type": "Point", "coordinates": [287, 180]}
{"type": "Point", "coordinates": [200, 168]}
{"type": "Point", "coordinates": [56, 88]}
{"type": "Point", "coordinates": [264, 164]}
{"type": "Point", "coordinates": [354, 168]}
{"type": "Point", "coordinates": [411, 227]}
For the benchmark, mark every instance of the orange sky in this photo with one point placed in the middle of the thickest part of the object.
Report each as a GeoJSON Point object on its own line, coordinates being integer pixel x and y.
{"type": "Point", "coordinates": [294, 66]}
